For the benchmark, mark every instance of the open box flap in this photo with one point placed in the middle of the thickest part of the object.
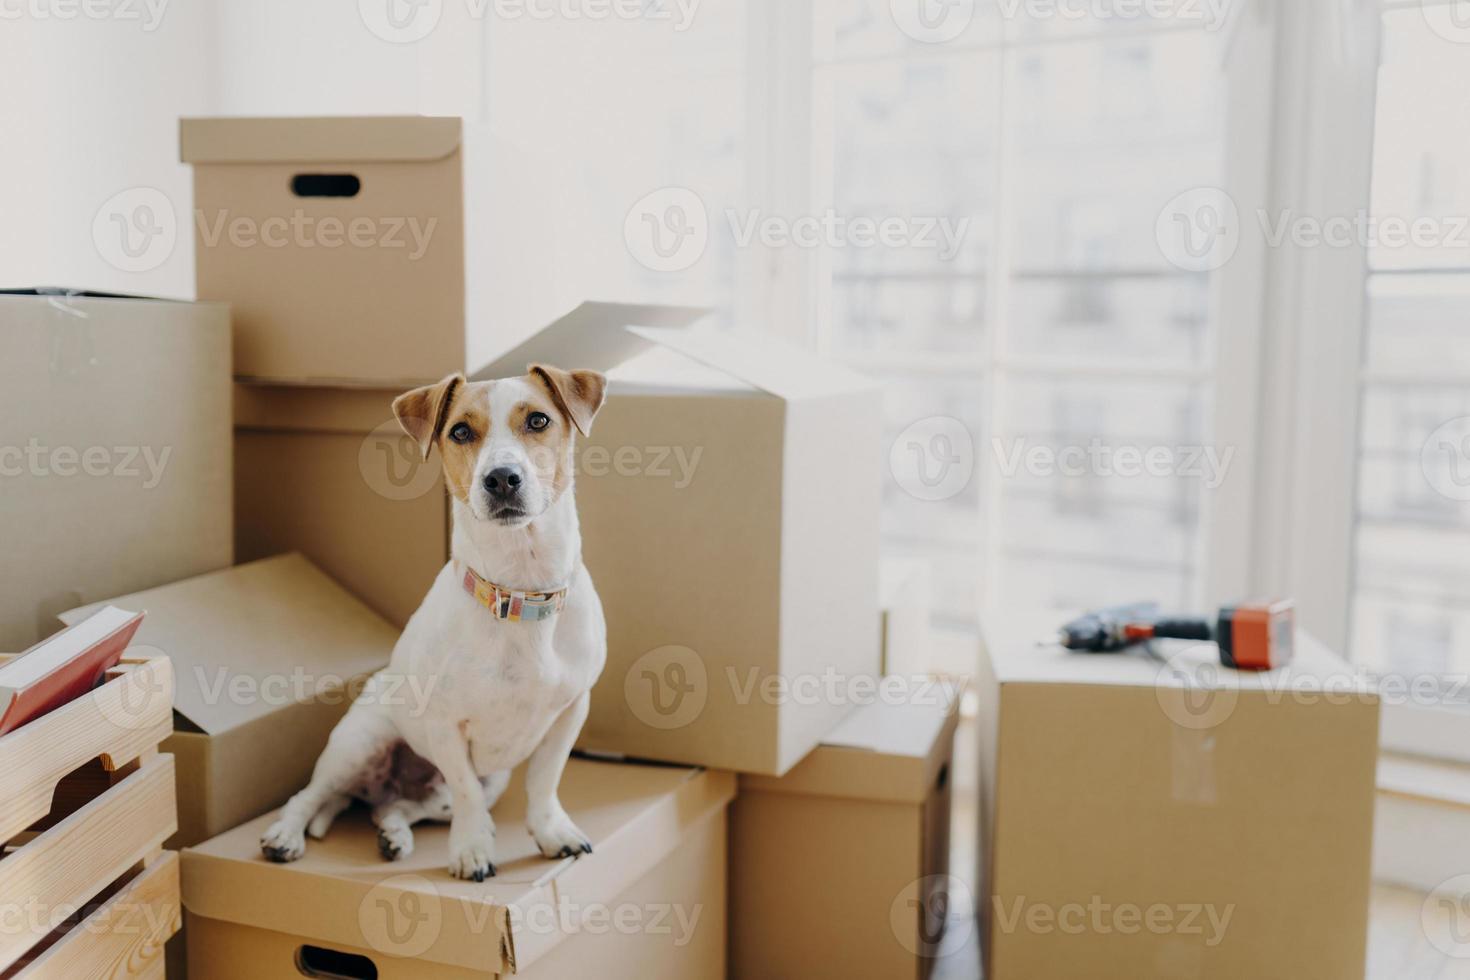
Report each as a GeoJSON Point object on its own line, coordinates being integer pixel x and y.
{"type": "Point", "coordinates": [889, 752]}
{"type": "Point", "coordinates": [341, 892]}
{"type": "Point", "coordinates": [332, 139]}
{"type": "Point", "coordinates": [764, 362]}
{"type": "Point", "coordinates": [592, 336]}
{"type": "Point", "coordinates": [249, 640]}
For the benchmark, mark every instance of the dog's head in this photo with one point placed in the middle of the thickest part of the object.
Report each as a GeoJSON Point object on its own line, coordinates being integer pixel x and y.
{"type": "Point", "coordinates": [506, 445]}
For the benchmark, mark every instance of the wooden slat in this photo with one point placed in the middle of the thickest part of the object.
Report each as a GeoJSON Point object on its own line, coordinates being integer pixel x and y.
{"type": "Point", "coordinates": [72, 862]}
{"type": "Point", "coordinates": [124, 937]}
{"type": "Point", "coordinates": [119, 721]}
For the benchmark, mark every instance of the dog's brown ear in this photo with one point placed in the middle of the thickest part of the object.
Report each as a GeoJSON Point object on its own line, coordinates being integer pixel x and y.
{"type": "Point", "coordinates": [579, 394]}
{"type": "Point", "coordinates": [422, 412]}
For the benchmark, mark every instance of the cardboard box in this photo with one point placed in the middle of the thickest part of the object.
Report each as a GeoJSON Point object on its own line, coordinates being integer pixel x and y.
{"type": "Point", "coordinates": [114, 450]}
{"type": "Point", "coordinates": [839, 867]}
{"type": "Point", "coordinates": [729, 512]}
{"type": "Point", "coordinates": [649, 904]}
{"type": "Point", "coordinates": [903, 619]}
{"type": "Point", "coordinates": [342, 243]}
{"type": "Point", "coordinates": [266, 658]}
{"type": "Point", "coordinates": [1141, 818]}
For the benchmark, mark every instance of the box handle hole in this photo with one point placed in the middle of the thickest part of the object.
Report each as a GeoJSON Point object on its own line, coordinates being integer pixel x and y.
{"type": "Point", "coordinates": [943, 777]}
{"type": "Point", "coordinates": [325, 185]}
{"type": "Point", "coordinates": [331, 964]}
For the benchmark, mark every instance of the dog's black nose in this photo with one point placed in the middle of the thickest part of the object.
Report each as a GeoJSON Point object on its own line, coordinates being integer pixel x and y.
{"type": "Point", "coordinates": [503, 482]}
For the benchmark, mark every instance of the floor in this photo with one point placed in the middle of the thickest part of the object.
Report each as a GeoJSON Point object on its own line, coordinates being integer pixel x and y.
{"type": "Point", "coordinates": [1398, 946]}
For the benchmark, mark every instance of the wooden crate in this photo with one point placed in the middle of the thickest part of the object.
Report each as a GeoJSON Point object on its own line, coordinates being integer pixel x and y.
{"type": "Point", "coordinates": [86, 802]}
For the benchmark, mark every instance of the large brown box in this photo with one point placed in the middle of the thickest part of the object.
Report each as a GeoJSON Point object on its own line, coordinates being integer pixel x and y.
{"type": "Point", "coordinates": [840, 867]}
{"type": "Point", "coordinates": [1173, 818]}
{"type": "Point", "coordinates": [342, 244]}
{"type": "Point", "coordinates": [649, 904]}
{"type": "Point", "coordinates": [114, 451]}
{"type": "Point", "coordinates": [266, 658]}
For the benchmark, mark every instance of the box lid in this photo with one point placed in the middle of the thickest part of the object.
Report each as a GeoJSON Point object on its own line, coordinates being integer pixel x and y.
{"type": "Point", "coordinates": [1017, 658]}
{"type": "Point", "coordinates": [321, 139]}
{"type": "Point", "coordinates": [888, 751]}
{"type": "Point", "coordinates": [249, 640]}
{"type": "Point", "coordinates": [343, 893]}
{"type": "Point", "coordinates": [605, 336]}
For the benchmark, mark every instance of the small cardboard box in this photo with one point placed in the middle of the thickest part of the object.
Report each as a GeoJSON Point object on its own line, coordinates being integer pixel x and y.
{"type": "Point", "coordinates": [342, 243]}
{"type": "Point", "coordinates": [1174, 818]}
{"type": "Point", "coordinates": [903, 620]}
{"type": "Point", "coordinates": [729, 514]}
{"type": "Point", "coordinates": [114, 450]}
{"type": "Point", "coordinates": [648, 904]}
{"type": "Point", "coordinates": [267, 656]}
{"type": "Point", "coordinates": [839, 868]}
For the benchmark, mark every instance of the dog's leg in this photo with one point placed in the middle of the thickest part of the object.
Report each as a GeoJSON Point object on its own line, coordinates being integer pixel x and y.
{"type": "Point", "coordinates": [330, 810]}
{"type": "Point", "coordinates": [471, 831]}
{"type": "Point", "coordinates": [495, 785]}
{"type": "Point", "coordinates": [360, 737]}
{"type": "Point", "coordinates": [395, 820]}
{"type": "Point", "coordinates": [550, 827]}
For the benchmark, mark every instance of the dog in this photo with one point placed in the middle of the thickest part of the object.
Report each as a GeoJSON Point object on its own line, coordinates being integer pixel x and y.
{"type": "Point", "coordinates": [505, 647]}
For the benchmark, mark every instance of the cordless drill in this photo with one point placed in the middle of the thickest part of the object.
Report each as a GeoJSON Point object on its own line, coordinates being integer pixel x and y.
{"type": "Point", "coordinates": [1250, 635]}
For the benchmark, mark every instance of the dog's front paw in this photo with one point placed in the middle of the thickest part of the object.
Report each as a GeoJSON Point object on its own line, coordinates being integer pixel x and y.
{"type": "Point", "coordinates": [473, 860]}
{"type": "Point", "coordinates": [282, 842]}
{"type": "Point", "coordinates": [395, 843]}
{"type": "Point", "coordinates": [557, 837]}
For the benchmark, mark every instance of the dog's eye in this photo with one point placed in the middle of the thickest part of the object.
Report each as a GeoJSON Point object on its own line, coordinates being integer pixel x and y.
{"type": "Point", "coordinates": [537, 421]}
{"type": "Point", "coordinates": [461, 433]}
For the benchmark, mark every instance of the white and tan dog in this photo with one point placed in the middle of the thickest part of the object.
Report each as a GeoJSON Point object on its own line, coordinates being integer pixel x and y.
{"type": "Point", "coordinates": [502, 676]}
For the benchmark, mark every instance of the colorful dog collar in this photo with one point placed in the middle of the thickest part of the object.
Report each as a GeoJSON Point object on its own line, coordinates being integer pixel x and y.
{"type": "Point", "coordinates": [513, 606]}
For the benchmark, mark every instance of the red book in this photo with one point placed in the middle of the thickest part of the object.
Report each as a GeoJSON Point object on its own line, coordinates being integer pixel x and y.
{"type": "Point", "coordinates": [63, 667]}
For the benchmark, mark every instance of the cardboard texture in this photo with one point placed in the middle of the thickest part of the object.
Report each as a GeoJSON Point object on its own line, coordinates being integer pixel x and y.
{"type": "Point", "coordinates": [903, 620]}
{"type": "Point", "coordinates": [836, 868]}
{"type": "Point", "coordinates": [342, 243]}
{"type": "Point", "coordinates": [266, 656]}
{"type": "Point", "coordinates": [1135, 823]}
{"type": "Point", "coordinates": [729, 518]}
{"type": "Point", "coordinates": [114, 426]}
{"type": "Point", "coordinates": [650, 903]}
